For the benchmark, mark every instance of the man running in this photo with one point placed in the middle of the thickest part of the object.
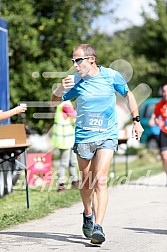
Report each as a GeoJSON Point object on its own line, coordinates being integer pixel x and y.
{"type": "Point", "coordinates": [161, 120]}
{"type": "Point", "coordinates": [96, 133]}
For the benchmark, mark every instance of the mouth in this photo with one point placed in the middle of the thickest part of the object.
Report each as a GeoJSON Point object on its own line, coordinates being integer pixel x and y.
{"type": "Point", "coordinates": [79, 71]}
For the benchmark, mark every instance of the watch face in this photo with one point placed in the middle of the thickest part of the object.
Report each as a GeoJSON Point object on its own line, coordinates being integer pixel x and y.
{"type": "Point", "coordinates": [137, 119]}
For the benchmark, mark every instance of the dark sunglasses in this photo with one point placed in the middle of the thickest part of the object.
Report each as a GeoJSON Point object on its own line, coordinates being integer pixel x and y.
{"type": "Point", "coordinates": [79, 60]}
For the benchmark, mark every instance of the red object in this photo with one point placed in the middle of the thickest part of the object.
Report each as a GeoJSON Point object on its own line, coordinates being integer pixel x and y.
{"type": "Point", "coordinates": [39, 168]}
{"type": "Point", "coordinates": [161, 110]}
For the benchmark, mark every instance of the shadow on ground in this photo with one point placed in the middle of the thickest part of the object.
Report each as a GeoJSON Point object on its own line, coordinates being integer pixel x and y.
{"type": "Point", "coordinates": [147, 230]}
{"type": "Point", "coordinates": [69, 238]}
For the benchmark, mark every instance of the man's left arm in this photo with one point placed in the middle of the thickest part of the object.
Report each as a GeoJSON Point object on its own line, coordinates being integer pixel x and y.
{"type": "Point", "coordinates": [137, 129]}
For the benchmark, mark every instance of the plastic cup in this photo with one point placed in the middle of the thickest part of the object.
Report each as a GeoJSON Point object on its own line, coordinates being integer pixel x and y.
{"type": "Point", "coordinates": [72, 77]}
{"type": "Point", "coordinates": [23, 104]}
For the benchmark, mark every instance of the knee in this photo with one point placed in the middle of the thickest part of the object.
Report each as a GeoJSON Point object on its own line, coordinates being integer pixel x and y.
{"type": "Point", "coordinates": [101, 182]}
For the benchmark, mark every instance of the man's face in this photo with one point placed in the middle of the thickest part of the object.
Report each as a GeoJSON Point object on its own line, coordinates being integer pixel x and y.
{"type": "Point", "coordinates": [164, 92]}
{"type": "Point", "coordinates": [82, 63]}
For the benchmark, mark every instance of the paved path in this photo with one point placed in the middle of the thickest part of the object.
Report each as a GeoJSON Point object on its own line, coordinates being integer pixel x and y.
{"type": "Point", "coordinates": [136, 221]}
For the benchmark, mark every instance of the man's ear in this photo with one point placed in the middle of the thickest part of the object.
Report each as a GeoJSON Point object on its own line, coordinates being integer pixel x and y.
{"type": "Point", "coordinates": [92, 59]}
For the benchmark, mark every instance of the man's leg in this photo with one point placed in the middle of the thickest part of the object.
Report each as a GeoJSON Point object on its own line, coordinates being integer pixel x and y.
{"type": "Point", "coordinates": [163, 150]}
{"type": "Point", "coordinates": [94, 175]}
{"type": "Point", "coordinates": [86, 192]}
{"type": "Point", "coordinates": [85, 187]}
{"type": "Point", "coordinates": [164, 160]}
{"type": "Point", "coordinates": [101, 164]}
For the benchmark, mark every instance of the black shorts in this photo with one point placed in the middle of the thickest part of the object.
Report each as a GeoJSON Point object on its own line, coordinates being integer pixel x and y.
{"type": "Point", "coordinates": [163, 141]}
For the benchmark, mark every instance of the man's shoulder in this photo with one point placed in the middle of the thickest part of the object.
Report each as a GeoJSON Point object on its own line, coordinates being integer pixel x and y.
{"type": "Point", "coordinates": [108, 70]}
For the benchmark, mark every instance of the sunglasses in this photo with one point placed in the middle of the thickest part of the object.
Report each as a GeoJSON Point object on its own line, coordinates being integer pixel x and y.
{"type": "Point", "coordinates": [79, 60]}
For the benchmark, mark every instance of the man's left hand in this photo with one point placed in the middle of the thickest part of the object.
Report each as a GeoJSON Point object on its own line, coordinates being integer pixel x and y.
{"type": "Point", "coordinates": [137, 130]}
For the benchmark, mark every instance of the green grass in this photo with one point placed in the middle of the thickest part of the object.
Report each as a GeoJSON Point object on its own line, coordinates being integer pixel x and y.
{"type": "Point", "coordinates": [13, 208]}
{"type": "Point", "coordinates": [148, 164]}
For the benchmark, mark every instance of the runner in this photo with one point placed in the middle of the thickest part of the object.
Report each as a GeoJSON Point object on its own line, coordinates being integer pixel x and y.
{"type": "Point", "coordinates": [161, 120]}
{"type": "Point", "coordinates": [96, 133]}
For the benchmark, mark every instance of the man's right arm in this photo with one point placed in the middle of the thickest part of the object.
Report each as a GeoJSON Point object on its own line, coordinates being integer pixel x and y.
{"type": "Point", "coordinates": [57, 93]}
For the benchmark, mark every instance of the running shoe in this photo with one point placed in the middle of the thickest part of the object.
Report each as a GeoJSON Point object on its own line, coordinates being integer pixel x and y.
{"type": "Point", "coordinates": [87, 227]}
{"type": "Point", "coordinates": [98, 237]}
{"type": "Point", "coordinates": [61, 188]}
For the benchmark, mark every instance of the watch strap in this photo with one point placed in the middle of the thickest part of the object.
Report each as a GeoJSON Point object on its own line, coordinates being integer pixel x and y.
{"type": "Point", "coordinates": [136, 118]}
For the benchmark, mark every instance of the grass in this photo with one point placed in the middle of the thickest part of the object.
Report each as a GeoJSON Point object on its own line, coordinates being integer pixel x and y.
{"type": "Point", "coordinates": [148, 164]}
{"type": "Point", "coordinates": [14, 210]}
{"type": "Point", "coordinates": [13, 206]}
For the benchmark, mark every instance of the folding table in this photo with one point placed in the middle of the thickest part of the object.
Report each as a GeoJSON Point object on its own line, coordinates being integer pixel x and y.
{"type": "Point", "coordinates": [13, 142]}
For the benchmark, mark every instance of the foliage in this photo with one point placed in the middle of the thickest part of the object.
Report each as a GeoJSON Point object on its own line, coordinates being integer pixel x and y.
{"type": "Point", "coordinates": [43, 33]}
{"type": "Point", "coordinates": [150, 41]}
{"type": "Point", "coordinates": [41, 37]}
{"type": "Point", "coordinates": [120, 47]}
{"type": "Point", "coordinates": [144, 47]}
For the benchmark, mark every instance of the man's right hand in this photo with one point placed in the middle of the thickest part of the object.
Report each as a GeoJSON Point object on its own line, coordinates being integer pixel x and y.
{"type": "Point", "coordinates": [68, 83]}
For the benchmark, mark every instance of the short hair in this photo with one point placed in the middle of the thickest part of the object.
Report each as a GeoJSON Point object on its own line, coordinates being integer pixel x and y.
{"type": "Point", "coordinates": [165, 84]}
{"type": "Point", "coordinates": [87, 49]}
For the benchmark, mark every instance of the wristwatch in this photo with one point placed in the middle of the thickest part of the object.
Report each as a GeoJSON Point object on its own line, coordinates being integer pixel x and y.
{"type": "Point", "coordinates": [137, 119]}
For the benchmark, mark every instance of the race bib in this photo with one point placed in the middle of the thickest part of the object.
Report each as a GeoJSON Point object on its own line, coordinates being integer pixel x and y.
{"type": "Point", "coordinates": [95, 122]}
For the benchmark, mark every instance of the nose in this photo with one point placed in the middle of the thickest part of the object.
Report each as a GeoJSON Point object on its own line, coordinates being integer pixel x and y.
{"type": "Point", "coordinates": [75, 64]}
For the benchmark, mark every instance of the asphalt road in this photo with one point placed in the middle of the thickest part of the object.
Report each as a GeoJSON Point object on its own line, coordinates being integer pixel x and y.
{"type": "Point", "coordinates": [135, 221]}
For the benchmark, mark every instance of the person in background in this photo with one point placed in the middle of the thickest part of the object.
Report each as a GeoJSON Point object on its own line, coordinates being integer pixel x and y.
{"type": "Point", "coordinates": [63, 139]}
{"type": "Point", "coordinates": [155, 129]}
{"type": "Point", "coordinates": [15, 111]}
{"type": "Point", "coordinates": [96, 132]}
{"type": "Point", "coordinates": [161, 120]}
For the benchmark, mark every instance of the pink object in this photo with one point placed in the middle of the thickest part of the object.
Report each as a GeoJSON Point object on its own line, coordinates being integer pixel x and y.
{"type": "Point", "coordinates": [68, 111]}
{"type": "Point", "coordinates": [39, 168]}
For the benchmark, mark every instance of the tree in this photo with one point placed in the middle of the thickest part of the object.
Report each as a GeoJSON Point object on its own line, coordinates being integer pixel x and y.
{"type": "Point", "coordinates": [41, 37]}
{"type": "Point", "coordinates": [150, 41]}
{"type": "Point", "coordinates": [144, 47]}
